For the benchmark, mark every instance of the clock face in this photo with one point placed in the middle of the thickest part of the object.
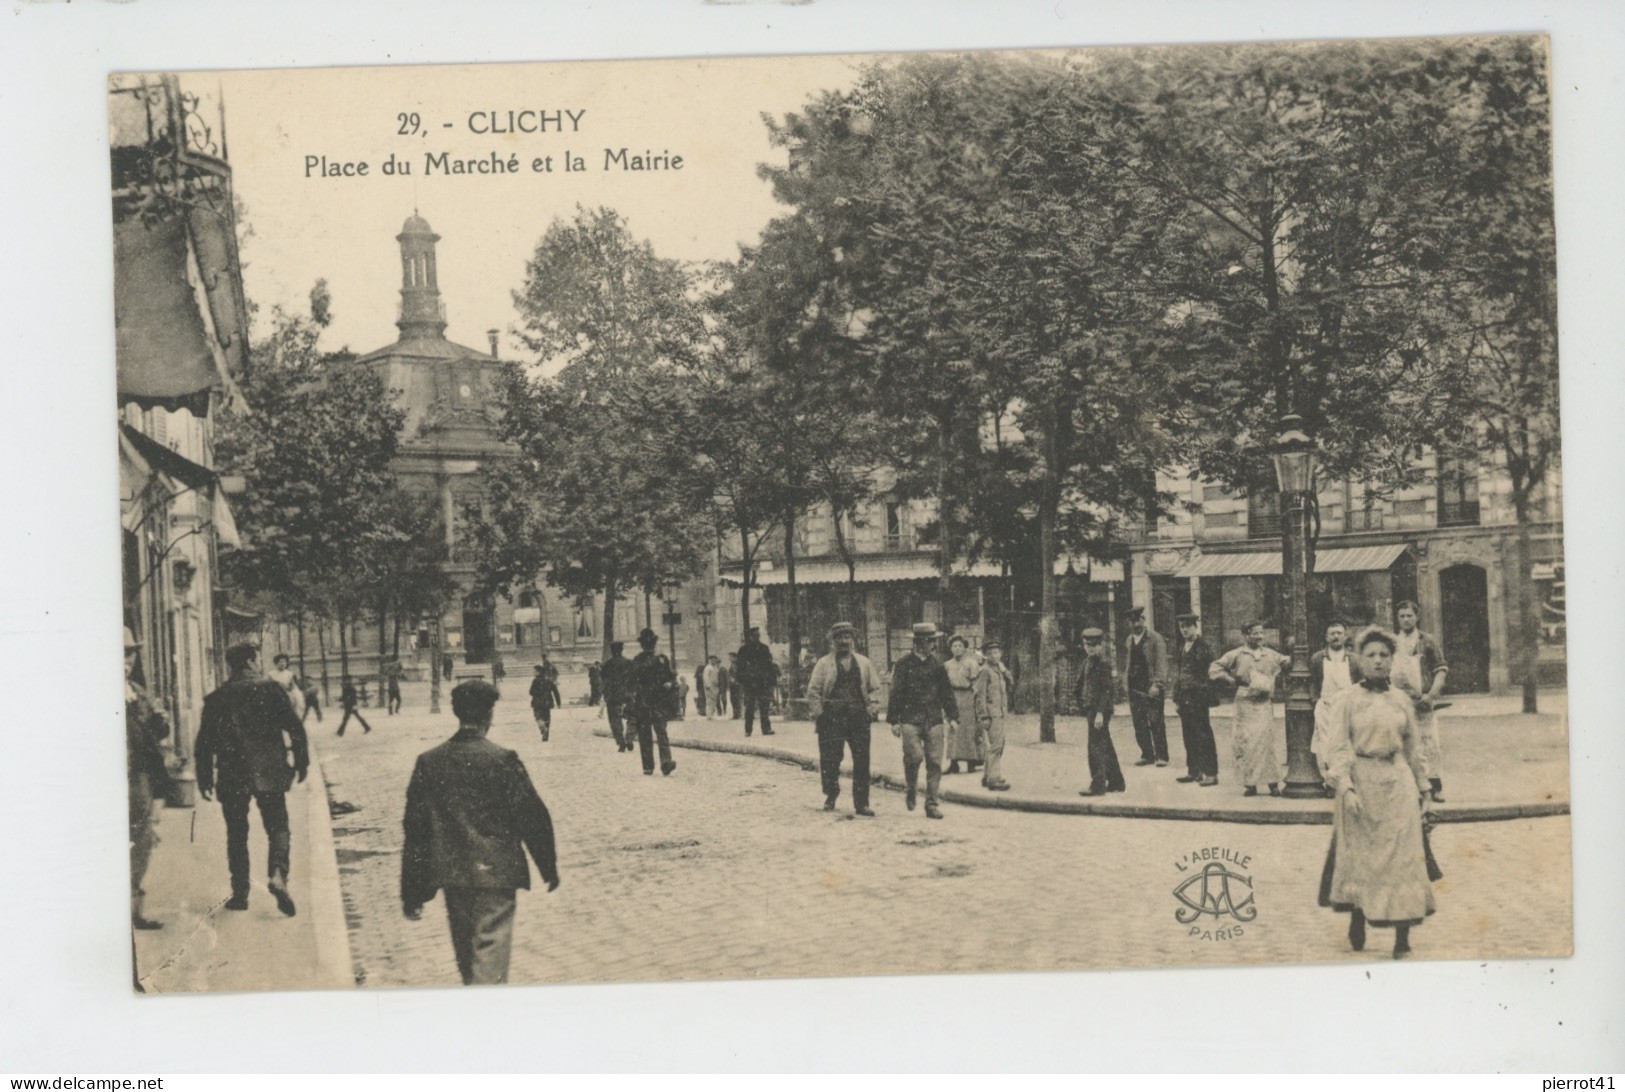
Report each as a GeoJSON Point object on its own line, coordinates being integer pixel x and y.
{"type": "Point", "coordinates": [465, 391]}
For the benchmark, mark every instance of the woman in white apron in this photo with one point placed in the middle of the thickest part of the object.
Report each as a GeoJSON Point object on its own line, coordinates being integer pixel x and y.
{"type": "Point", "coordinates": [1253, 669]}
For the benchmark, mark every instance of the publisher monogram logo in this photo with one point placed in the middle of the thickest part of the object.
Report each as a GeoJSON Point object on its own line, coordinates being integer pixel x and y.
{"type": "Point", "coordinates": [1217, 896]}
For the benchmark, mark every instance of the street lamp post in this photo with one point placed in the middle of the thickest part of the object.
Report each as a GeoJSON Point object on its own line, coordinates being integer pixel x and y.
{"type": "Point", "coordinates": [1294, 456]}
{"type": "Point", "coordinates": [705, 613]}
{"type": "Point", "coordinates": [670, 586]}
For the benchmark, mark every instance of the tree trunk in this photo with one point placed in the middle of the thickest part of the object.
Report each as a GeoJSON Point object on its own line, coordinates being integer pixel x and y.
{"type": "Point", "coordinates": [383, 652]}
{"type": "Point", "coordinates": [344, 647]}
{"type": "Point", "coordinates": [299, 623]}
{"type": "Point", "coordinates": [1527, 640]}
{"type": "Point", "coordinates": [609, 615]}
{"type": "Point", "coordinates": [321, 648]}
{"type": "Point", "coordinates": [750, 570]}
{"type": "Point", "coordinates": [1047, 628]}
{"type": "Point", "coordinates": [395, 637]}
{"type": "Point", "coordinates": [792, 613]}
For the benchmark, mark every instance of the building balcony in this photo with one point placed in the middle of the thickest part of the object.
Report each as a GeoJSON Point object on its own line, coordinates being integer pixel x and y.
{"type": "Point", "coordinates": [900, 543]}
{"type": "Point", "coordinates": [1458, 513]}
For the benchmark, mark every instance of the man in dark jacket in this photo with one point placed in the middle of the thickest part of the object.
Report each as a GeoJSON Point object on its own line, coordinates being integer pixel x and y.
{"type": "Point", "coordinates": [1096, 692]}
{"type": "Point", "coordinates": [350, 700]}
{"type": "Point", "coordinates": [614, 676]}
{"type": "Point", "coordinates": [242, 748]}
{"type": "Point", "coordinates": [1145, 671]}
{"type": "Point", "coordinates": [471, 812]}
{"type": "Point", "coordinates": [541, 702]}
{"type": "Point", "coordinates": [1192, 689]}
{"type": "Point", "coordinates": [920, 710]}
{"type": "Point", "coordinates": [652, 697]}
{"type": "Point", "coordinates": [757, 674]}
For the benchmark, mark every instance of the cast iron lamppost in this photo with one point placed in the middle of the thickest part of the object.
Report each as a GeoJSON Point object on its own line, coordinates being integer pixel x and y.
{"type": "Point", "coordinates": [669, 586]}
{"type": "Point", "coordinates": [1294, 455]}
{"type": "Point", "coordinates": [705, 613]}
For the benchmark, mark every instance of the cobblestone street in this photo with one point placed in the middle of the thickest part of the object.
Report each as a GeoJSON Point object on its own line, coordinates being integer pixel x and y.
{"type": "Point", "coordinates": [730, 869]}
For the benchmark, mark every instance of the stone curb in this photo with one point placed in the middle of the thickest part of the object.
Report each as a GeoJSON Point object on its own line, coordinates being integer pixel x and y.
{"type": "Point", "coordinates": [334, 960]}
{"type": "Point", "coordinates": [1319, 816]}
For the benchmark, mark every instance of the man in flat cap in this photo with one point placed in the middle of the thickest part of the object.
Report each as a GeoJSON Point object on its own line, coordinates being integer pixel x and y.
{"type": "Point", "coordinates": [471, 812]}
{"type": "Point", "coordinates": [247, 730]}
{"type": "Point", "coordinates": [1096, 692]}
{"type": "Point", "coordinates": [757, 675]}
{"type": "Point", "coordinates": [990, 696]}
{"type": "Point", "coordinates": [1145, 671]}
{"type": "Point", "coordinates": [843, 697]}
{"type": "Point", "coordinates": [1193, 698]}
{"type": "Point", "coordinates": [145, 726]}
{"type": "Point", "coordinates": [921, 710]}
{"type": "Point", "coordinates": [652, 694]}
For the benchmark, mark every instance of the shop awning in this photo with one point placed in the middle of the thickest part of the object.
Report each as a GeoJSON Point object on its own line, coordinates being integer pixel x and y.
{"type": "Point", "coordinates": [173, 463]}
{"type": "Point", "coordinates": [164, 355]}
{"type": "Point", "coordinates": [871, 570]}
{"type": "Point", "coordinates": [1354, 559]}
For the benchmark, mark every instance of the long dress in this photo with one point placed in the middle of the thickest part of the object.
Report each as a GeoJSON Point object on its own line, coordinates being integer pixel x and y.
{"type": "Point", "coordinates": [965, 745]}
{"type": "Point", "coordinates": [1254, 738]}
{"type": "Point", "coordinates": [1379, 862]}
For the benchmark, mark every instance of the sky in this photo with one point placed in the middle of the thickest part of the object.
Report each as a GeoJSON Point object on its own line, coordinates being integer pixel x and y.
{"type": "Point", "coordinates": [304, 226]}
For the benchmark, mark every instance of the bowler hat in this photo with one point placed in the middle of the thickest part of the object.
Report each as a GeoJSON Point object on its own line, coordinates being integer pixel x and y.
{"type": "Point", "coordinates": [1093, 633]}
{"type": "Point", "coordinates": [648, 637]}
{"type": "Point", "coordinates": [924, 630]}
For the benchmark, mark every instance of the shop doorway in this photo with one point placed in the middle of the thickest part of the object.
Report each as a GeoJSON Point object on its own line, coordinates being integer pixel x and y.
{"type": "Point", "coordinates": [1464, 629]}
{"type": "Point", "coordinates": [477, 635]}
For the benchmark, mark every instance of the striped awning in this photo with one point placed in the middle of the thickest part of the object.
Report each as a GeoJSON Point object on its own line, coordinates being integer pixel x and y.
{"type": "Point", "coordinates": [1354, 559]}
{"type": "Point", "coordinates": [870, 570]}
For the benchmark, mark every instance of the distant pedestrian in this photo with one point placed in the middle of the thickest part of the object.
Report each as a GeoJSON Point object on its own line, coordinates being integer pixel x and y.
{"type": "Point", "coordinates": [1333, 671]}
{"type": "Point", "coordinates": [541, 703]}
{"type": "Point", "coordinates": [652, 688]}
{"type": "Point", "coordinates": [964, 742]}
{"type": "Point", "coordinates": [615, 673]}
{"type": "Point", "coordinates": [595, 684]}
{"type": "Point", "coordinates": [990, 698]}
{"type": "Point", "coordinates": [550, 672]}
{"type": "Point", "coordinates": [1253, 668]}
{"type": "Point", "coordinates": [736, 700]}
{"type": "Point", "coordinates": [921, 711]}
{"type": "Point", "coordinates": [1378, 868]}
{"type": "Point", "coordinates": [709, 680]}
{"type": "Point", "coordinates": [1193, 699]}
{"type": "Point", "coordinates": [757, 675]}
{"type": "Point", "coordinates": [312, 696]}
{"type": "Point", "coordinates": [282, 674]}
{"type": "Point", "coordinates": [499, 670]}
{"type": "Point", "coordinates": [681, 712]}
{"type": "Point", "coordinates": [471, 812]}
{"type": "Point", "coordinates": [1096, 692]}
{"type": "Point", "coordinates": [1420, 671]}
{"type": "Point", "coordinates": [350, 700]}
{"type": "Point", "coordinates": [699, 686]}
{"type": "Point", "coordinates": [394, 682]}
{"type": "Point", "coordinates": [243, 742]}
{"type": "Point", "coordinates": [145, 725]}
{"type": "Point", "coordinates": [843, 698]}
{"type": "Point", "coordinates": [1145, 673]}
{"type": "Point", "coordinates": [724, 686]}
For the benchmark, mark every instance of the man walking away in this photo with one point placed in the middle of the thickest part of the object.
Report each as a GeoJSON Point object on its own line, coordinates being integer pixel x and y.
{"type": "Point", "coordinates": [757, 673]}
{"type": "Point", "coordinates": [1095, 693]}
{"type": "Point", "coordinates": [595, 684]}
{"type": "Point", "coordinates": [921, 712]}
{"type": "Point", "coordinates": [471, 812]}
{"type": "Point", "coordinates": [652, 689]}
{"type": "Point", "coordinates": [843, 697]}
{"type": "Point", "coordinates": [1193, 701]}
{"type": "Point", "coordinates": [990, 696]}
{"type": "Point", "coordinates": [1145, 667]}
{"type": "Point", "coordinates": [394, 687]}
{"type": "Point", "coordinates": [242, 748]}
{"type": "Point", "coordinates": [614, 673]}
{"type": "Point", "coordinates": [541, 703]}
{"type": "Point", "coordinates": [350, 700]}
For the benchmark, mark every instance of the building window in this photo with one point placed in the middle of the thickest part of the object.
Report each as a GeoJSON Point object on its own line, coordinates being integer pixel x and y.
{"type": "Point", "coordinates": [1458, 492]}
{"type": "Point", "coordinates": [1366, 517]}
{"type": "Point", "coordinates": [899, 536]}
{"type": "Point", "coordinates": [1263, 514]}
{"type": "Point", "coordinates": [584, 616]}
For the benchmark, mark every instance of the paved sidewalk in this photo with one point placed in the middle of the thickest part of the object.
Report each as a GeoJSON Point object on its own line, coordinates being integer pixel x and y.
{"type": "Point", "coordinates": [204, 946]}
{"type": "Point", "coordinates": [1499, 764]}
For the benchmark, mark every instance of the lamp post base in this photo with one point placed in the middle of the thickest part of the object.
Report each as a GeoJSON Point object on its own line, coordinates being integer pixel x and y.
{"type": "Point", "coordinates": [1303, 781]}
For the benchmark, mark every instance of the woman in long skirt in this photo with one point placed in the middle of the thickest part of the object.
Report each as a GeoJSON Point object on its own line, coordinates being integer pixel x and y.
{"type": "Point", "coordinates": [1379, 868]}
{"type": "Point", "coordinates": [965, 744]}
{"type": "Point", "coordinates": [1253, 669]}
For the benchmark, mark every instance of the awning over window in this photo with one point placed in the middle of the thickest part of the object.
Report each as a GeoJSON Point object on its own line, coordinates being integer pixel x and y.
{"type": "Point", "coordinates": [164, 355]}
{"type": "Point", "coordinates": [1354, 559]}
{"type": "Point", "coordinates": [173, 463]}
{"type": "Point", "coordinates": [871, 570]}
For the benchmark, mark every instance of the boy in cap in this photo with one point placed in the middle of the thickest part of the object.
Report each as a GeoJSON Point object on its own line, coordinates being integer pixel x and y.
{"type": "Point", "coordinates": [920, 712]}
{"type": "Point", "coordinates": [1095, 694]}
{"type": "Point", "coordinates": [843, 696]}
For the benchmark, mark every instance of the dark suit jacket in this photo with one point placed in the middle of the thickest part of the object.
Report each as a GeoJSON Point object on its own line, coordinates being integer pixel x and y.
{"type": "Point", "coordinates": [1317, 672]}
{"type": "Point", "coordinates": [920, 693]}
{"type": "Point", "coordinates": [753, 667]}
{"type": "Point", "coordinates": [1095, 690]}
{"type": "Point", "coordinates": [1191, 684]}
{"type": "Point", "coordinates": [1156, 658]}
{"type": "Point", "coordinates": [614, 676]}
{"type": "Point", "coordinates": [471, 811]}
{"type": "Point", "coordinates": [240, 743]}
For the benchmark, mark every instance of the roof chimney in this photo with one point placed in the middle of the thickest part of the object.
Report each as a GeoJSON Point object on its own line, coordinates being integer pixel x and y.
{"type": "Point", "coordinates": [492, 334]}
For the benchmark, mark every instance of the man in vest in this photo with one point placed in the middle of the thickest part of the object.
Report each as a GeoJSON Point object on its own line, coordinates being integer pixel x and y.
{"type": "Point", "coordinates": [843, 697]}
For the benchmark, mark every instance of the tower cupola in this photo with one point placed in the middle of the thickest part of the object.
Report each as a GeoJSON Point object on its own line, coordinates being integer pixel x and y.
{"type": "Point", "coordinates": [423, 315]}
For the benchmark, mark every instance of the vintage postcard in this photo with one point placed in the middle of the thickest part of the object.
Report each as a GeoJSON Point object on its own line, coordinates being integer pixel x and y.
{"type": "Point", "coordinates": [841, 515]}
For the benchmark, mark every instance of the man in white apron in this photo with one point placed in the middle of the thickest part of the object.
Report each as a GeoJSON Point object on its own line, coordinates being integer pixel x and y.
{"type": "Point", "coordinates": [1332, 673]}
{"type": "Point", "coordinates": [1420, 670]}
